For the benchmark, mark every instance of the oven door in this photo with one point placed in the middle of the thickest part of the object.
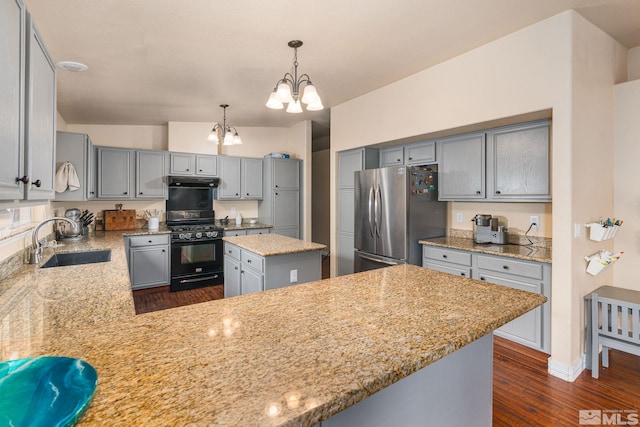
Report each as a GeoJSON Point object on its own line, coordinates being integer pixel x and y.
{"type": "Point", "coordinates": [196, 264]}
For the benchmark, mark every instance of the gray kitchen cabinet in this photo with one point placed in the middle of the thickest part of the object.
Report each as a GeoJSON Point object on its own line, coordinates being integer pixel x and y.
{"type": "Point", "coordinates": [182, 164]}
{"type": "Point", "coordinates": [349, 162]}
{"type": "Point", "coordinates": [206, 165]}
{"type": "Point", "coordinates": [12, 85]}
{"type": "Point", "coordinates": [77, 149]}
{"type": "Point", "coordinates": [40, 117]}
{"type": "Point", "coordinates": [228, 233]}
{"type": "Point", "coordinates": [391, 156]}
{"type": "Point", "coordinates": [231, 276]}
{"type": "Point", "coordinates": [151, 170]}
{"type": "Point", "coordinates": [420, 153]}
{"type": "Point", "coordinates": [519, 162]}
{"type": "Point", "coordinates": [115, 173]}
{"type": "Point", "coordinates": [532, 329]}
{"type": "Point", "coordinates": [258, 231]}
{"type": "Point", "coordinates": [461, 167]}
{"type": "Point", "coordinates": [230, 168]}
{"type": "Point", "coordinates": [251, 182]}
{"type": "Point", "coordinates": [447, 260]}
{"type": "Point", "coordinates": [190, 164]}
{"type": "Point", "coordinates": [148, 258]}
{"type": "Point", "coordinates": [280, 205]}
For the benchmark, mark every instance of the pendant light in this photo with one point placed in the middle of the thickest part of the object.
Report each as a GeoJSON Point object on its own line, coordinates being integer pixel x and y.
{"type": "Point", "coordinates": [229, 134]}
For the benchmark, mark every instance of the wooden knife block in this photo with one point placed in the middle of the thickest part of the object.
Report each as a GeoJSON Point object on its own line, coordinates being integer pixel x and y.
{"type": "Point", "coordinates": [120, 220]}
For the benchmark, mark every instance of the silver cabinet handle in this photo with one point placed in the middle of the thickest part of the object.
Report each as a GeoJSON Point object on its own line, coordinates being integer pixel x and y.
{"type": "Point", "coordinates": [378, 210]}
{"type": "Point", "coordinates": [370, 210]}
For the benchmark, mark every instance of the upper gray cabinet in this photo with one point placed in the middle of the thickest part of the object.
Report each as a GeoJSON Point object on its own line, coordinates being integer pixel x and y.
{"type": "Point", "coordinates": [510, 163]}
{"type": "Point", "coordinates": [281, 202]}
{"type": "Point", "coordinates": [151, 170]}
{"type": "Point", "coordinates": [189, 164]}
{"type": "Point", "coordinates": [391, 156]}
{"type": "Point", "coordinates": [240, 178]}
{"type": "Point", "coordinates": [12, 81]}
{"type": "Point", "coordinates": [27, 108]}
{"type": "Point", "coordinates": [77, 149]}
{"type": "Point", "coordinates": [420, 153]}
{"type": "Point", "coordinates": [115, 173]}
{"type": "Point", "coordinates": [40, 118]}
{"type": "Point", "coordinates": [461, 167]}
{"type": "Point", "coordinates": [519, 162]}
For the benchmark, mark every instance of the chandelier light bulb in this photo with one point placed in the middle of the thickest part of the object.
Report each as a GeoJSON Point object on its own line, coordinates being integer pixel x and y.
{"type": "Point", "coordinates": [284, 92]}
{"type": "Point", "coordinates": [273, 102]}
{"type": "Point", "coordinates": [228, 138]}
{"type": "Point", "coordinates": [317, 106]}
{"type": "Point", "coordinates": [294, 107]}
{"type": "Point", "coordinates": [229, 134]}
{"type": "Point", "coordinates": [237, 140]}
{"type": "Point", "coordinates": [213, 136]}
{"type": "Point", "coordinates": [310, 95]}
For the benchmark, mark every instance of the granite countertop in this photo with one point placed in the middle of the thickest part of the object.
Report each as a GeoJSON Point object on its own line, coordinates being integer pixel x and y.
{"type": "Point", "coordinates": [273, 244]}
{"type": "Point", "coordinates": [311, 350]}
{"type": "Point", "coordinates": [244, 226]}
{"type": "Point", "coordinates": [531, 253]}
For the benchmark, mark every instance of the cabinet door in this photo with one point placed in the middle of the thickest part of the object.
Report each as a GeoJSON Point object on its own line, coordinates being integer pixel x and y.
{"type": "Point", "coordinates": [286, 174]}
{"type": "Point", "coordinates": [151, 169]}
{"type": "Point", "coordinates": [182, 164]}
{"type": "Point", "coordinates": [251, 178]}
{"type": "Point", "coordinates": [206, 165]}
{"type": "Point", "coordinates": [519, 162]}
{"type": "Point", "coordinates": [40, 135]}
{"type": "Point", "coordinates": [348, 163]}
{"type": "Point", "coordinates": [12, 75]}
{"type": "Point", "coordinates": [149, 266]}
{"type": "Point", "coordinates": [231, 277]}
{"type": "Point", "coordinates": [250, 281]}
{"type": "Point", "coordinates": [74, 148]}
{"type": "Point", "coordinates": [462, 167]}
{"type": "Point", "coordinates": [115, 173]}
{"type": "Point", "coordinates": [293, 232]}
{"type": "Point", "coordinates": [346, 244]}
{"type": "Point", "coordinates": [229, 178]}
{"type": "Point", "coordinates": [526, 329]}
{"type": "Point", "coordinates": [393, 156]}
{"type": "Point", "coordinates": [286, 204]}
{"type": "Point", "coordinates": [346, 201]}
{"type": "Point", "coordinates": [420, 153]}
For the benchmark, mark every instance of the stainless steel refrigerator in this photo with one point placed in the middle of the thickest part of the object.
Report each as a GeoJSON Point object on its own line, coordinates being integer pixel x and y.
{"type": "Point", "coordinates": [394, 208]}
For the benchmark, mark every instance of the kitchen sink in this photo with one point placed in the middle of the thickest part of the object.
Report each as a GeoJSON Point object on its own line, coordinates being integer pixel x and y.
{"type": "Point", "coordinates": [76, 258]}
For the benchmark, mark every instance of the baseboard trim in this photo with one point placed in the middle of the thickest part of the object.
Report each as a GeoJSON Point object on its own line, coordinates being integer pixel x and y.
{"type": "Point", "coordinates": [564, 372]}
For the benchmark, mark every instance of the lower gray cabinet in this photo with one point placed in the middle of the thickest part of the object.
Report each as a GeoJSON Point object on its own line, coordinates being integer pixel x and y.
{"type": "Point", "coordinates": [231, 276]}
{"type": "Point", "coordinates": [532, 329]}
{"type": "Point", "coordinates": [148, 258]}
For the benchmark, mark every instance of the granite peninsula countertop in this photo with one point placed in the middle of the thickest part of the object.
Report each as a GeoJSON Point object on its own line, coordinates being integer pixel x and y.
{"type": "Point", "coordinates": [531, 253]}
{"type": "Point", "coordinates": [273, 244]}
{"type": "Point", "coordinates": [310, 350]}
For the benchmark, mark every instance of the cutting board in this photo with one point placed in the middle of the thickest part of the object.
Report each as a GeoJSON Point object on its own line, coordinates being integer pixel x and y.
{"type": "Point", "coordinates": [120, 220]}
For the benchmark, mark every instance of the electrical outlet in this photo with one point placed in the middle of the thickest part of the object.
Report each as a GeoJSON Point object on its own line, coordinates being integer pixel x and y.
{"type": "Point", "coordinates": [459, 217]}
{"type": "Point", "coordinates": [233, 211]}
{"type": "Point", "coordinates": [534, 220]}
{"type": "Point", "coordinates": [577, 230]}
{"type": "Point", "coordinates": [293, 276]}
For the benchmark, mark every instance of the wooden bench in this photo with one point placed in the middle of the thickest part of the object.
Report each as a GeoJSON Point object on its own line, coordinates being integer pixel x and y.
{"type": "Point", "coordinates": [615, 323]}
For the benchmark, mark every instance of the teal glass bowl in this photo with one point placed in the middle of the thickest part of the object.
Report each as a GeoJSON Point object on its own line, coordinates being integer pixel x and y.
{"type": "Point", "coordinates": [45, 391]}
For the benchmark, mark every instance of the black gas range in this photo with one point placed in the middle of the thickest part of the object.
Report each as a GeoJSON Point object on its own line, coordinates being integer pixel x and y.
{"type": "Point", "coordinates": [196, 242]}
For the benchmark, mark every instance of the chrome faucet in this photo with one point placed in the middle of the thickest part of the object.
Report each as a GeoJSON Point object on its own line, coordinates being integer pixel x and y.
{"type": "Point", "coordinates": [36, 249]}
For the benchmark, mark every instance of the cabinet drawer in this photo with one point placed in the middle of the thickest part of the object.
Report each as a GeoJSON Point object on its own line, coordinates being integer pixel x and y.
{"type": "Point", "coordinates": [448, 255]}
{"type": "Point", "coordinates": [232, 250]}
{"type": "Point", "coordinates": [510, 266]}
{"type": "Point", "coordinates": [251, 260]}
{"type": "Point", "coordinates": [232, 233]}
{"type": "Point", "coordinates": [259, 231]}
{"type": "Point", "coordinates": [148, 240]}
{"type": "Point", "coordinates": [451, 269]}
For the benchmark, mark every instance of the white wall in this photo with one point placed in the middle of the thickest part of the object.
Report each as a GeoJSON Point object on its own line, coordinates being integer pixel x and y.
{"type": "Point", "coordinates": [627, 191]}
{"type": "Point", "coordinates": [548, 66]}
{"type": "Point", "coordinates": [124, 136]}
{"type": "Point", "coordinates": [634, 64]}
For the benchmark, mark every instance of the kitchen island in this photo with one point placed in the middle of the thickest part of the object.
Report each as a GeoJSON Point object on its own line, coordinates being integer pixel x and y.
{"type": "Point", "coordinates": [291, 356]}
{"type": "Point", "coordinates": [260, 262]}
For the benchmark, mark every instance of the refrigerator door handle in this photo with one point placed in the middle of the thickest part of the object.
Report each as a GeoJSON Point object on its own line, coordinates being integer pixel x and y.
{"type": "Point", "coordinates": [378, 210]}
{"type": "Point", "coordinates": [370, 210]}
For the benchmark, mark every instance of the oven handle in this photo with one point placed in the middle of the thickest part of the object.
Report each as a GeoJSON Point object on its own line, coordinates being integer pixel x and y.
{"type": "Point", "coordinates": [199, 279]}
{"type": "Point", "coordinates": [192, 242]}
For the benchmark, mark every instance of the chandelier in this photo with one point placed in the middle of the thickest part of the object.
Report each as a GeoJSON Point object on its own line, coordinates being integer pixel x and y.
{"type": "Point", "coordinates": [229, 134]}
{"type": "Point", "coordinates": [287, 90]}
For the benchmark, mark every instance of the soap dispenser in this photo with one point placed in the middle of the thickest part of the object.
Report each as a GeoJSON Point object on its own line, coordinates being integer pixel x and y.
{"type": "Point", "coordinates": [238, 219]}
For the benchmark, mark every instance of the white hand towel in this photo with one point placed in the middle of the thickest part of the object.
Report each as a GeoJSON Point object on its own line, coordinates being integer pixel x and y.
{"type": "Point", "coordinates": [66, 176]}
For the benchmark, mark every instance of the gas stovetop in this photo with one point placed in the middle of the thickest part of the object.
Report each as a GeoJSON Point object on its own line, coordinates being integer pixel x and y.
{"type": "Point", "coordinates": [190, 232]}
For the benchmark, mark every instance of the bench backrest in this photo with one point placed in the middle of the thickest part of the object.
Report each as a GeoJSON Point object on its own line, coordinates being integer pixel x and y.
{"type": "Point", "coordinates": [616, 319]}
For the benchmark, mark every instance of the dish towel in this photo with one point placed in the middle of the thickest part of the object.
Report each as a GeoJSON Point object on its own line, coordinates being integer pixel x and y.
{"type": "Point", "coordinates": [66, 176]}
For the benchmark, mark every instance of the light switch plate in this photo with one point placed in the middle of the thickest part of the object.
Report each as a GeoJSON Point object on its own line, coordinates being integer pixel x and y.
{"type": "Point", "coordinates": [293, 276]}
{"type": "Point", "coordinates": [459, 217]}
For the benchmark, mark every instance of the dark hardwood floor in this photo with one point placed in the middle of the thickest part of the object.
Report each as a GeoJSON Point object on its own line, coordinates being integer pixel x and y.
{"type": "Point", "coordinates": [524, 394]}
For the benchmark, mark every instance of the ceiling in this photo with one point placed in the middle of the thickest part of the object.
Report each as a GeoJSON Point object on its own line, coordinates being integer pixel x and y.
{"type": "Point", "coordinates": [155, 61]}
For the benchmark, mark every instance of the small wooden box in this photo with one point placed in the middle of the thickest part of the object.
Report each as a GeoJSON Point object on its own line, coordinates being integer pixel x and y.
{"type": "Point", "coordinates": [120, 220]}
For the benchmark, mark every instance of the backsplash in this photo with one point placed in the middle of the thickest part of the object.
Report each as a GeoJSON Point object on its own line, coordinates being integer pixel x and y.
{"type": "Point", "coordinates": [512, 238]}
